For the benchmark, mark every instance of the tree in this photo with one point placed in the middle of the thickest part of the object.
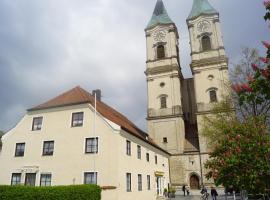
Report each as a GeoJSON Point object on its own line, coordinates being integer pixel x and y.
{"type": "Point", "coordinates": [241, 146]}
{"type": "Point", "coordinates": [240, 150]}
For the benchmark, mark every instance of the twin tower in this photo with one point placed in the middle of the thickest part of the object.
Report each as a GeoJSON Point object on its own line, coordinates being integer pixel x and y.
{"type": "Point", "coordinates": [177, 105]}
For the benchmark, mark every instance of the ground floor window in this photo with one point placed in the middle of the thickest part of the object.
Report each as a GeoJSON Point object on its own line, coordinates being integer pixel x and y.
{"type": "Point", "coordinates": [90, 178]}
{"type": "Point", "coordinates": [30, 179]}
{"type": "Point", "coordinates": [16, 179]}
{"type": "Point", "coordinates": [139, 182]}
{"type": "Point", "coordinates": [45, 179]}
{"type": "Point", "coordinates": [148, 182]}
{"type": "Point", "coordinates": [159, 185]}
{"type": "Point", "coordinates": [128, 182]}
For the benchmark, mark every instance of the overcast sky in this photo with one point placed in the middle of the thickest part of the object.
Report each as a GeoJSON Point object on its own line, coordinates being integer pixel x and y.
{"type": "Point", "coordinates": [50, 46]}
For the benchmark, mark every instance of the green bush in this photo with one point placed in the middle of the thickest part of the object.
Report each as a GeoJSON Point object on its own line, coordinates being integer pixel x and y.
{"type": "Point", "coordinates": [74, 192]}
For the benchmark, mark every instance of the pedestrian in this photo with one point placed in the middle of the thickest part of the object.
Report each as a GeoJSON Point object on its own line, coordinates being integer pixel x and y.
{"type": "Point", "coordinates": [187, 190]}
{"type": "Point", "coordinates": [184, 189]}
{"type": "Point", "coordinates": [214, 193]}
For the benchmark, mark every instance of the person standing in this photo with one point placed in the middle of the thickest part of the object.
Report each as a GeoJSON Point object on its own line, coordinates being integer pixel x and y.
{"type": "Point", "coordinates": [214, 193]}
{"type": "Point", "coordinates": [187, 190]}
{"type": "Point", "coordinates": [184, 189]}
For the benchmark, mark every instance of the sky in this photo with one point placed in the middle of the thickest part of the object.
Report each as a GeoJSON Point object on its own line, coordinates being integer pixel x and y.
{"type": "Point", "coordinates": [48, 47]}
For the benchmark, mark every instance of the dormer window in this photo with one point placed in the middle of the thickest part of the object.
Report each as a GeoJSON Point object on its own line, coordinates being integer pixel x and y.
{"type": "Point", "coordinates": [206, 43]}
{"type": "Point", "coordinates": [160, 52]}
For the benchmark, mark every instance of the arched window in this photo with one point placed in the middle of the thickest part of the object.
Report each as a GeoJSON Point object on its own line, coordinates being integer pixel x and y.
{"type": "Point", "coordinates": [163, 102]}
{"type": "Point", "coordinates": [160, 52]}
{"type": "Point", "coordinates": [206, 43]}
{"type": "Point", "coordinates": [213, 95]}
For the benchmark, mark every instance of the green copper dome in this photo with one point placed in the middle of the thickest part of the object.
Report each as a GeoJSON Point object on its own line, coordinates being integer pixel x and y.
{"type": "Point", "coordinates": [201, 7]}
{"type": "Point", "coordinates": [160, 16]}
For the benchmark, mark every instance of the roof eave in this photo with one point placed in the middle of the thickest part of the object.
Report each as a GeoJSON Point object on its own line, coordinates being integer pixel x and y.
{"type": "Point", "coordinates": [202, 14]}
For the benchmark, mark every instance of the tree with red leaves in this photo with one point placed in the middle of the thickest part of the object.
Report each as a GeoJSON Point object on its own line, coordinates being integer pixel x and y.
{"type": "Point", "coordinates": [241, 146]}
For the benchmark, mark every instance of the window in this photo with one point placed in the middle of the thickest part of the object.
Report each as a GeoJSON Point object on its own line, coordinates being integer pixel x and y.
{"type": "Point", "coordinates": [45, 179]}
{"type": "Point", "coordinates": [128, 179]}
{"type": "Point", "coordinates": [213, 95]}
{"type": "Point", "coordinates": [37, 123]}
{"type": "Point", "coordinates": [163, 102]}
{"type": "Point", "coordinates": [48, 147]}
{"type": "Point", "coordinates": [160, 52]}
{"type": "Point", "coordinates": [19, 151]}
{"type": "Point", "coordinates": [165, 140]}
{"type": "Point", "coordinates": [16, 179]}
{"type": "Point", "coordinates": [30, 179]}
{"type": "Point", "coordinates": [91, 145]}
{"type": "Point", "coordinates": [147, 157]}
{"type": "Point", "coordinates": [206, 43]}
{"type": "Point", "coordinates": [139, 182]}
{"type": "Point", "coordinates": [90, 178]}
{"type": "Point", "coordinates": [155, 159]}
{"type": "Point", "coordinates": [77, 119]}
{"type": "Point", "coordinates": [139, 152]}
{"type": "Point", "coordinates": [148, 182]}
{"type": "Point", "coordinates": [128, 148]}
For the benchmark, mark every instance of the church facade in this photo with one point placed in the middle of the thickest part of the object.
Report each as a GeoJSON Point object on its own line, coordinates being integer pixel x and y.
{"type": "Point", "coordinates": [176, 105]}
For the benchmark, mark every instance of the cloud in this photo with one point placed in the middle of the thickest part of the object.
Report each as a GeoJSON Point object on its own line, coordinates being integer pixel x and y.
{"type": "Point", "coordinates": [50, 46]}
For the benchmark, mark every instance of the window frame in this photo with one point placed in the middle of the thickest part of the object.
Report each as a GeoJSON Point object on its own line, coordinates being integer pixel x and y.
{"type": "Point", "coordinates": [78, 122]}
{"type": "Point", "coordinates": [128, 182]}
{"type": "Point", "coordinates": [17, 152]}
{"type": "Point", "coordinates": [163, 102]}
{"type": "Point", "coordinates": [93, 147]}
{"type": "Point", "coordinates": [161, 51]}
{"type": "Point", "coordinates": [206, 46]}
{"type": "Point", "coordinates": [211, 93]}
{"type": "Point", "coordinates": [128, 147]}
{"type": "Point", "coordinates": [94, 177]}
{"type": "Point", "coordinates": [16, 182]}
{"type": "Point", "coordinates": [47, 151]}
{"type": "Point", "coordinates": [139, 182]}
{"type": "Point", "coordinates": [46, 179]}
{"type": "Point", "coordinates": [38, 126]}
{"type": "Point", "coordinates": [165, 140]}
{"type": "Point", "coordinates": [139, 152]}
{"type": "Point", "coordinates": [156, 159]}
{"type": "Point", "coordinates": [148, 182]}
{"type": "Point", "coordinates": [147, 157]}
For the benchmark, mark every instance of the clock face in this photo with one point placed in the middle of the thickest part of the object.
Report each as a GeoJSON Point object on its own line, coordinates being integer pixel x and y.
{"type": "Point", "coordinates": [160, 35]}
{"type": "Point", "coordinates": [203, 26]}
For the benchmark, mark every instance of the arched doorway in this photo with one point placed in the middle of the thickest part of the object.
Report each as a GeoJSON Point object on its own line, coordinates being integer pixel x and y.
{"type": "Point", "coordinates": [194, 182]}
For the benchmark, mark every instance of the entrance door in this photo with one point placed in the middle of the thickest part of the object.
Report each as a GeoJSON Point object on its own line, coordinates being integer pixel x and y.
{"type": "Point", "coordinates": [160, 186]}
{"type": "Point", "coordinates": [194, 182]}
{"type": "Point", "coordinates": [30, 179]}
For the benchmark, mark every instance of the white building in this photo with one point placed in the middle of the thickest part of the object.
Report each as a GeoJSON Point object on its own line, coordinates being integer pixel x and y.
{"type": "Point", "coordinates": [64, 142]}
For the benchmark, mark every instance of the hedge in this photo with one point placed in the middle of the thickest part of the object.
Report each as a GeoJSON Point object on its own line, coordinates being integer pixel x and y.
{"type": "Point", "coordinates": [74, 192]}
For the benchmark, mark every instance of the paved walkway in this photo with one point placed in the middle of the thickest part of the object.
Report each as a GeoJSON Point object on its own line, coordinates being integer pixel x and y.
{"type": "Point", "coordinates": [196, 195]}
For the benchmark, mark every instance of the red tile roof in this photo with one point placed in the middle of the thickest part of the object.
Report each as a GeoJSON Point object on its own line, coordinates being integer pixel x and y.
{"type": "Point", "coordinates": [78, 95]}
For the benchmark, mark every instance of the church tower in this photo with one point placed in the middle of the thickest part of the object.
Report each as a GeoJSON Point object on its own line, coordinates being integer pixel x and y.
{"type": "Point", "coordinates": [163, 73]}
{"type": "Point", "coordinates": [209, 64]}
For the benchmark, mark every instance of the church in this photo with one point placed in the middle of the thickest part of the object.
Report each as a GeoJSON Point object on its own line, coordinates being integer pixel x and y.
{"type": "Point", "coordinates": [176, 105]}
{"type": "Point", "coordinates": [75, 138]}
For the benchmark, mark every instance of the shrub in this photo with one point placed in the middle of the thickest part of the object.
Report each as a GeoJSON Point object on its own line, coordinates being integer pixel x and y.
{"type": "Point", "coordinates": [78, 192]}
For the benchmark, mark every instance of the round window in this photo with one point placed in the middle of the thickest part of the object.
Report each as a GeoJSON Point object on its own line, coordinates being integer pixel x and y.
{"type": "Point", "coordinates": [162, 84]}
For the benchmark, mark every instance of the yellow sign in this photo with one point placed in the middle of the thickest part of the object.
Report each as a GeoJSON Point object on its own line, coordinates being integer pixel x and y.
{"type": "Point", "coordinates": [157, 173]}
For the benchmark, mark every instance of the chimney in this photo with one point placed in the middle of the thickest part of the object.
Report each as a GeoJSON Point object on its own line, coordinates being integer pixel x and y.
{"type": "Point", "coordinates": [98, 94]}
